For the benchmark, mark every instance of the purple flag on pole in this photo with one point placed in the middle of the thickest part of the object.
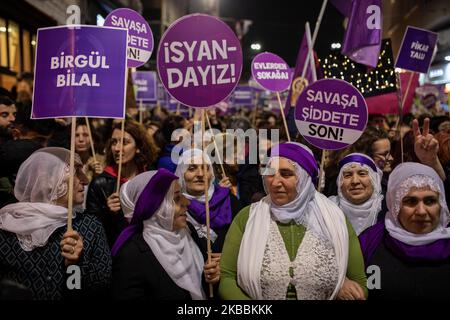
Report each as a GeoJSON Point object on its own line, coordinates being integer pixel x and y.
{"type": "Point", "coordinates": [298, 84]}
{"type": "Point", "coordinates": [343, 6]}
{"type": "Point", "coordinates": [362, 39]}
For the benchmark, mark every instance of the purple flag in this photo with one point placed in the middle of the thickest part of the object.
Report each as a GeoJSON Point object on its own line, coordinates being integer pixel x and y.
{"type": "Point", "coordinates": [298, 84]}
{"type": "Point", "coordinates": [343, 6]}
{"type": "Point", "coordinates": [362, 39]}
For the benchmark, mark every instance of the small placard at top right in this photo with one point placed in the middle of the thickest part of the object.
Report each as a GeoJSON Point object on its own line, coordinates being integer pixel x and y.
{"type": "Point", "coordinates": [416, 51]}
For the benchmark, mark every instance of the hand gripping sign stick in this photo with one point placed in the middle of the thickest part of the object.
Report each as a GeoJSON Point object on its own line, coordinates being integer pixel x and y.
{"type": "Point", "coordinates": [71, 174]}
{"type": "Point", "coordinates": [216, 147]}
{"type": "Point", "coordinates": [90, 138]}
{"type": "Point", "coordinates": [205, 170]}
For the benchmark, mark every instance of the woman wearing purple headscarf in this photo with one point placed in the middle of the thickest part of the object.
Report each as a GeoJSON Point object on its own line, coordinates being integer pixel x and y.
{"type": "Point", "coordinates": [155, 257]}
{"type": "Point", "coordinates": [408, 254]}
{"type": "Point", "coordinates": [223, 205]}
{"type": "Point", "coordinates": [294, 243]}
{"type": "Point", "coordinates": [359, 190]}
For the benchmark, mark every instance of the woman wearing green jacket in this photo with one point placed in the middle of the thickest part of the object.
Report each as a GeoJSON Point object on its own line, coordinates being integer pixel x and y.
{"type": "Point", "coordinates": [294, 243]}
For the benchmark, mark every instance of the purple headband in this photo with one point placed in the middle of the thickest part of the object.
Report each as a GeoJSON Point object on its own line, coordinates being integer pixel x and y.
{"type": "Point", "coordinates": [358, 159]}
{"type": "Point", "coordinates": [148, 202]}
{"type": "Point", "coordinates": [299, 155]}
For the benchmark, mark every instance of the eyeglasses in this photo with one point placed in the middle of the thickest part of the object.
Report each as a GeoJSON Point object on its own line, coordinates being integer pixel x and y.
{"type": "Point", "coordinates": [384, 156]}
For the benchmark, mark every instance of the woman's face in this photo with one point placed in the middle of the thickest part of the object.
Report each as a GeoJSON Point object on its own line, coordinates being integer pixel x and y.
{"type": "Point", "coordinates": [195, 179]}
{"type": "Point", "coordinates": [420, 210]}
{"type": "Point", "coordinates": [82, 141]}
{"type": "Point", "coordinates": [282, 186]}
{"type": "Point", "coordinates": [181, 204]}
{"type": "Point", "coordinates": [79, 181]}
{"type": "Point", "coordinates": [356, 184]}
{"type": "Point", "coordinates": [382, 154]}
{"type": "Point", "coordinates": [129, 147]}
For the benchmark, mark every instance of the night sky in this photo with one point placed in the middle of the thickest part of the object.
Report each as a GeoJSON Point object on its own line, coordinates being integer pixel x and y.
{"type": "Point", "coordinates": [279, 26]}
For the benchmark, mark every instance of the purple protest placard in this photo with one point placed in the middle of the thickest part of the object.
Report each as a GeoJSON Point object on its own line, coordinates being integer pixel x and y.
{"type": "Point", "coordinates": [171, 103]}
{"type": "Point", "coordinates": [145, 82]}
{"type": "Point", "coordinates": [242, 96]}
{"type": "Point", "coordinates": [80, 72]}
{"type": "Point", "coordinates": [199, 60]}
{"type": "Point", "coordinates": [331, 114]}
{"type": "Point", "coordinates": [140, 36]}
{"type": "Point", "coordinates": [271, 72]}
{"type": "Point", "coordinates": [416, 50]}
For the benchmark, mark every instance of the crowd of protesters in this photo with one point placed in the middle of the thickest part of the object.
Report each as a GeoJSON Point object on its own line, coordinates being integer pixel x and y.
{"type": "Point", "coordinates": [279, 227]}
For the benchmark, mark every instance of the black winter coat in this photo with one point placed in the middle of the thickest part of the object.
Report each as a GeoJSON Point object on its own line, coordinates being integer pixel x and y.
{"type": "Point", "coordinates": [99, 190]}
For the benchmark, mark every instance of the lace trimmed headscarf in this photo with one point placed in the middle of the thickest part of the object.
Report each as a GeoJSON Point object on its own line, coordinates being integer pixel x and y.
{"type": "Point", "coordinates": [403, 178]}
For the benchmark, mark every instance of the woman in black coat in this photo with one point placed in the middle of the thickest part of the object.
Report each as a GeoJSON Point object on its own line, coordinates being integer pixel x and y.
{"type": "Point", "coordinates": [155, 258]}
{"type": "Point", "coordinates": [37, 251]}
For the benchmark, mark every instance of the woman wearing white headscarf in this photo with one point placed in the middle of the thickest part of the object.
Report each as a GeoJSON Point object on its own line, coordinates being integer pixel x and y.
{"type": "Point", "coordinates": [155, 257]}
{"type": "Point", "coordinates": [223, 205]}
{"type": "Point", "coordinates": [359, 190]}
{"type": "Point", "coordinates": [293, 243]}
{"type": "Point", "coordinates": [35, 246]}
{"type": "Point", "coordinates": [411, 246]}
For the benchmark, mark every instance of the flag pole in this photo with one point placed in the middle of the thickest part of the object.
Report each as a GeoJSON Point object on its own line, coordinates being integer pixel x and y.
{"type": "Point", "coordinates": [90, 138]}
{"type": "Point", "coordinates": [402, 100]}
{"type": "Point", "coordinates": [71, 174]}
{"type": "Point", "coordinates": [321, 179]}
{"type": "Point", "coordinates": [283, 117]}
{"type": "Point", "coordinates": [314, 37]}
{"type": "Point", "coordinates": [140, 111]}
{"type": "Point", "coordinates": [208, 229]}
{"type": "Point", "coordinates": [122, 134]}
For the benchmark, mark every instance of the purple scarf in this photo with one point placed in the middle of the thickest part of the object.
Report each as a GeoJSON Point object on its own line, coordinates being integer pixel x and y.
{"type": "Point", "coordinates": [299, 155]}
{"type": "Point", "coordinates": [148, 203]}
{"type": "Point", "coordinates": [358, 159]}
{"type": "Point", "coordinates": [219, 209]}
{"type": "Point", "coordinates": [371, 238]}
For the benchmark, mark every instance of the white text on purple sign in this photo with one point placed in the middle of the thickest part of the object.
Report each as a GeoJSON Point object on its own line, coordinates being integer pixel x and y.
{"type": "Point", "coordinates": [214, 72]}
{"type": "Point", "coordinates": [418, 50]}
{"type": "Point", "coordinates": [334, 118]}
{"type": "Point", "coordinates": [72, 63]}
{"type": "Point", "coordinates": [275, 72]}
